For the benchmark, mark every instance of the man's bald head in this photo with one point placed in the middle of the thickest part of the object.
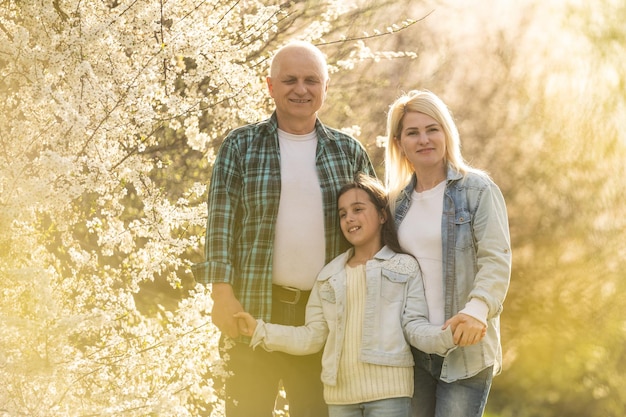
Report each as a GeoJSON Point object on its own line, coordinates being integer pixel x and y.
{"type": "Point", "coordinates": [299, 48]}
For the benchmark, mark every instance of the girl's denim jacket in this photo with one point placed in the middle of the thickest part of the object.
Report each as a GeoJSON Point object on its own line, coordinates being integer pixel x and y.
{"type": "Point", "coordinates": [476, 262]}
{"type": "Point", "coordinates": [395, 304]}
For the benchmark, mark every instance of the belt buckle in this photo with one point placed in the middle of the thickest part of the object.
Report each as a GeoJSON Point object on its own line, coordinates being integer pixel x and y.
{"type": "Point", "coordinates": [296, 297]}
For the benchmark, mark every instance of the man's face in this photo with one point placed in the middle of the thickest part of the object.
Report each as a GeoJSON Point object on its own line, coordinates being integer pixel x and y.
{"type": "Point", "coordinates": [298, 86]}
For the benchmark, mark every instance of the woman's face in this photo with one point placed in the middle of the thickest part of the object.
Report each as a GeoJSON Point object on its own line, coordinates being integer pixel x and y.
{"type": "Point", "coordinates": [423, 141]}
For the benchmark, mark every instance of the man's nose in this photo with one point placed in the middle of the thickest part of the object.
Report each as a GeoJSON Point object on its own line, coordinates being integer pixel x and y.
{"type": "Point", "coordinates": [300, 87]}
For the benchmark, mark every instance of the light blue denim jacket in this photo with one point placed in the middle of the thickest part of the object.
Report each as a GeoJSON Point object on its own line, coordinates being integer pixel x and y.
{"type": "Point", "coordinates": [476, 262]}
{"type": "Point", "coordinates": [395, 304]}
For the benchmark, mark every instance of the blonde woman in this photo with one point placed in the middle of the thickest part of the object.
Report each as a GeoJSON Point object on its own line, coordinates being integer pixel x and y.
{"type": "Point", "coordinates": [452, 218]}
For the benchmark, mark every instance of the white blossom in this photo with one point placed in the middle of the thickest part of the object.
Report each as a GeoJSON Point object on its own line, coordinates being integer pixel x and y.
{"type": "Point", "coordinates": [91, 93]}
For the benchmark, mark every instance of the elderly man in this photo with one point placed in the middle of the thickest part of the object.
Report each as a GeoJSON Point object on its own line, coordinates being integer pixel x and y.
{"type": "Point", "coordinates": [272, 225]}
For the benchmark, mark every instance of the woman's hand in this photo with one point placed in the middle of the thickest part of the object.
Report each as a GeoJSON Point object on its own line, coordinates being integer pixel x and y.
{"type": "Point", "coordinates": [466, 329]}
{"type": "Point", "coordinates": [246, 323]}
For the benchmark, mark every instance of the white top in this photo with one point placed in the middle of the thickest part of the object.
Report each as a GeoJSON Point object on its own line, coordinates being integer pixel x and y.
{"type": "Point", "coordinates": [420, 235]}
{"type": "Point", "coordinates": [299, 243]}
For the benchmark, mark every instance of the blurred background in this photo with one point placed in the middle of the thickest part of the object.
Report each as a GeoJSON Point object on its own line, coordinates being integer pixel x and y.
{"type": "Point", "coordinates": [538, 90]}
{"type": "Point", "coordinates": [111, 115]}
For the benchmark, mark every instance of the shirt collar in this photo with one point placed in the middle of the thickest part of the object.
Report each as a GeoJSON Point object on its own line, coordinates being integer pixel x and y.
{"type": "Point", "coordinates": [322, 133]}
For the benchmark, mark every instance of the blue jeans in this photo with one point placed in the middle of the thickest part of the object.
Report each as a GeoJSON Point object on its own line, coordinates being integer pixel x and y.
{"type": "Point", "coordinates": [389, 407]}
{"type": "Point", "coordinates": [434, 398]}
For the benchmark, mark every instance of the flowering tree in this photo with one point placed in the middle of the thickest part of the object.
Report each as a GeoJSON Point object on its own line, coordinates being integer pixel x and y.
{"type": "Point", "coordinates": [109, 117]}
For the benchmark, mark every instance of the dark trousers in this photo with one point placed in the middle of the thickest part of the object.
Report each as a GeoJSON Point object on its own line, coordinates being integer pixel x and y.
{"type": "Point", "coordinates": [251, 390]}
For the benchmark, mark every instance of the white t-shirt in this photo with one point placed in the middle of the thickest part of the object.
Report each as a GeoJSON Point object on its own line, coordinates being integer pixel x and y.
{"type": "Point", "coordinates": [299, 243]}
{"type": "Point", "coordinates": [420, 235]}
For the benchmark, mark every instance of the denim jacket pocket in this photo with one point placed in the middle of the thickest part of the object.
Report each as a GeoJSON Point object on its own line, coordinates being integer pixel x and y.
{"type": "Point", "coordinates": [463, 233]}
{"type": "Point", "coordinates": [327, 292]}
{"type": "Point", "coordinates": [328, 300]}
{"type": "Point", "coordinates": [392, 285]}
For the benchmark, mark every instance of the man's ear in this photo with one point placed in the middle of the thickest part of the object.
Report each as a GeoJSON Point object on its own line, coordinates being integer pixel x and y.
{"type": "Point", "coordinates": [270, 86]}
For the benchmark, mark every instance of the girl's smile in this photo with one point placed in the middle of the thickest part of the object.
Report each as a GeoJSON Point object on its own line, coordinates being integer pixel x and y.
{"type": "Point", "coordinates": [361, 221]}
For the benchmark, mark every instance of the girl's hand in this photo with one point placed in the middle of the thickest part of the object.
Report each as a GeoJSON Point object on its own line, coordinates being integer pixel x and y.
{"type": "Point", "coordinates": [224, 306]}
{"type": "Point", "coordinates": [466, 329]}
{"type": "Point", "coordinates": [246, 323]}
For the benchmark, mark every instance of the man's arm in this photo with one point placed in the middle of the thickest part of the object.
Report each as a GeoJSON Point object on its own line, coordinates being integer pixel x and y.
{"type": "Point", "coordinates": [219, 269]}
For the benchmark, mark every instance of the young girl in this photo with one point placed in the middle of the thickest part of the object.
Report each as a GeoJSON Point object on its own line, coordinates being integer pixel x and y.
{"type": "Point", "coordinates": [361, 307]}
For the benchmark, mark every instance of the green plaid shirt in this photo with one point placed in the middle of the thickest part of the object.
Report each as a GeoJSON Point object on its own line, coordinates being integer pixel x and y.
{"type": "Point", "coordinates": [243, 204]}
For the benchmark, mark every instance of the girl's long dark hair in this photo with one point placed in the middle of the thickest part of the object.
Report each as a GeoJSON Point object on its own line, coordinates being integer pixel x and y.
{"type": "Point", "coordinates": [378, 196]}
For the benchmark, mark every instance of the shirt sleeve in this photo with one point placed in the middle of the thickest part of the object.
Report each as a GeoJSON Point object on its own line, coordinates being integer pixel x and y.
{"type": "Point", "coordinates": [478, 309]}
{"type": "Point", "coordinates": [364, 161]}
{"type": "Point", "coordinates": [493, 251]}
{"type": "Point", "coordinates": [223, 203]}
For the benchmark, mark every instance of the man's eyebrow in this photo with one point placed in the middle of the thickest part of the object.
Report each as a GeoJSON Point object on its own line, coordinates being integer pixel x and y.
{"type": "Point", "coordinates": [306, 77]}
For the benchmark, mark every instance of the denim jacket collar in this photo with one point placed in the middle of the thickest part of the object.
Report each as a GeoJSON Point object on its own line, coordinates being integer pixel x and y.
{"type": "Point", "coordinates": [339, 263]}
{"type": "Point", "coordinates": [452, 175]}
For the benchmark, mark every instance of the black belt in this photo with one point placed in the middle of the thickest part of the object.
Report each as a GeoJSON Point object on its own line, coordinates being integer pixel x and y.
{"type": "Point", "coordinates": [290, 295]}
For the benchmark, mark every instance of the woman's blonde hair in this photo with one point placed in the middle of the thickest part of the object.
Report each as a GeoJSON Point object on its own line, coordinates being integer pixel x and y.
{"type": "Point", "coordinates": [398, 169]}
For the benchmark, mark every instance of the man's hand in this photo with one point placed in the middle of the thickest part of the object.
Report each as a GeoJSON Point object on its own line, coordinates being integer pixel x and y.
{"type": "Point", "coordinates": [225, 305]}
{"type": "Point", "coordinates": [247, 323]}
{"type": "Point", "coordinates": [466, 329]}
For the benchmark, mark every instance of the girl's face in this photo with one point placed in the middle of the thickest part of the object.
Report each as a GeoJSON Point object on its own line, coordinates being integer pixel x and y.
{"type": "Point", "coordinates": [422, 141]}
{"type": "Point", "coordinates": [360, 220]}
